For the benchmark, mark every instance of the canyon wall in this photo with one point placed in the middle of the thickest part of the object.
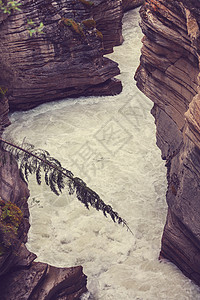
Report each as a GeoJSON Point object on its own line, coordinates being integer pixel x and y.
{"type": "Point", "coordinates": [66, 59]}
{"type": "Point", "coordinates": [169, 75]}
{"type": "Point", "coordinates": [20, 276]}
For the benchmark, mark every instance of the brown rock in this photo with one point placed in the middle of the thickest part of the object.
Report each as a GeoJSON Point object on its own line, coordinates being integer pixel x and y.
{"type": "Point", "coordinates": [169, 76]}
{"type": "Point", "coordinates": [108, 16]}
{"type": "Point", "coordinates": [14, 189]}
{"type": "Point", "coordinates": [61, 283]}
{"type": "Point", "coordinates": [67, 59]}
{"type": "Point", "coordinates": [43, 282]}
{"type": "Point", "coordinates": [20, 277]}
{"type": "Point", "coordinates": [20, 283]}
{"type": "Point", "coordinates": [130, 4]}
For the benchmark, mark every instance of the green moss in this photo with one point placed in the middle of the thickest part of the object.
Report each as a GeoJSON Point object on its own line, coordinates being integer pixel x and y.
{"type": "Point", "coordinates": [11, 214]}
{"type": "Point", "coordinates": [10, 219]}
{"type": "Point", "coordinates": [3, 91]}
{"type": "Point", "coordinates": [89, 23]}
{"type": "Point", "coordinates": [74, 26]}
{"type": "Point", "coordinates": [99, 34]}
{"type": "Point", "coordinates": [87, 3]}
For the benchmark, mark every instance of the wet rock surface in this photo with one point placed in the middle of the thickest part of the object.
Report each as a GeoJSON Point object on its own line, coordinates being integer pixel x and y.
{"type": "Point", "coordinates": [169, 75]}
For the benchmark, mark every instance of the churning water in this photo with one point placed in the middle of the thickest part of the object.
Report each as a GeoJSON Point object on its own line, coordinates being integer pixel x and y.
{"type": "Point", "coordinates": [110, 143]}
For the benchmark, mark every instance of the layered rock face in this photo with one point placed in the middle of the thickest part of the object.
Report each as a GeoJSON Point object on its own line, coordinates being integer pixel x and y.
{"type": "Point", "coordinates": [169, 75]}
{"type": "Point", "coordinates": [130, 4]}
{"type": "Point", "coordinates": [66, 60]}
{"type": "Point", "coordinates": [108, 16]}
{"type": "Point", "coordinates": [20, 276]}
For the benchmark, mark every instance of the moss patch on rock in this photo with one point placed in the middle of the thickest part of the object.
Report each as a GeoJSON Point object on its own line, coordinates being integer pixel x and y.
{"type": "Point", "coordinates": [75, 27]}
{"type": "Point", "coordinates": [11, 217]}
{"type": "Point", "coordinates": [89, 23]}
{"type": "Point", "coordinates": [99, 34]}
{"type": "Point", "coordinates": [3, 91]}
{"type": "Point", "coordinates": [87, 3]}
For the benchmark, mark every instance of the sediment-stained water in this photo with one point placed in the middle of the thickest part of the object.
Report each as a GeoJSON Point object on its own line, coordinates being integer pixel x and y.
{"type": "Point", "coordinates": [110, 143]}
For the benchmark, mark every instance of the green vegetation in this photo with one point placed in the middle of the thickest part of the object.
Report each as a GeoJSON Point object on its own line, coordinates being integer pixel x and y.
{"type": "Point", "coordinates": [3, 91]}
{"type": "Point", "coordinates": [9, 6]}
{"type": "Point", "coordinates": [99, 34]}
{"type": "Point", "coordinates": [75, 27]}
{"type": "Point", "coordinates": [89, 23]}
{"type": "Point", "coordinates": [40, 163]}
{"type": "Point", "coordinates": [10, 219]}
{"type": "Point", "coordinates": [32, 29]}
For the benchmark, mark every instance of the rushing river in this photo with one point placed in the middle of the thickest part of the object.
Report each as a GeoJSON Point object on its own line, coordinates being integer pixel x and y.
{"type": "Point", "coordinates": [110, 143]}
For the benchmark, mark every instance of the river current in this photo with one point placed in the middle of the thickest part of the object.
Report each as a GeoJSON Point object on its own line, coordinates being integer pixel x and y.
{"type": "Point", "coordinates": [110, 143]}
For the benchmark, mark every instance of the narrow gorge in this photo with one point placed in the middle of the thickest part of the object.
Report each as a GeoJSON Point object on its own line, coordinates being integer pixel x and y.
{"type": "Point", "coordinates": [107, 137]}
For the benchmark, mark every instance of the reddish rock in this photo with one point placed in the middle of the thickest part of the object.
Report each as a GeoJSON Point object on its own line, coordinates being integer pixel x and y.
{"type": "Point", "coordinates": [169, 75]}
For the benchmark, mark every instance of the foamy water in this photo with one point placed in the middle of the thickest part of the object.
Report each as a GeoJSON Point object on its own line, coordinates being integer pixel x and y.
{"type": "Point", "coordinates": [110, 143]}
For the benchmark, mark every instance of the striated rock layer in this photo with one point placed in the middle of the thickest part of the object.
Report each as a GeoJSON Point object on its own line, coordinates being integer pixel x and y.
{"type": "Point", "coordinates": [169, 75]}
{"type": "Point", "coordinates": [66, 60]}
{"type": "Point", "coordinates": [20, 276]}
{"type": "Point", "coordinates": [130, 4]}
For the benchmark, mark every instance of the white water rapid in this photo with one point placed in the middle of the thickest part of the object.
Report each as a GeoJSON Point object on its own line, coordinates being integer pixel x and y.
{"type": "Point", "coordinates": [110, 143]}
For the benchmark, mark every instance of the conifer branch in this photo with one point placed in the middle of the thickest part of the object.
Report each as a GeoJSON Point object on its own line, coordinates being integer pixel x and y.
{"type": "Point", "coordinates": [36, 161]}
